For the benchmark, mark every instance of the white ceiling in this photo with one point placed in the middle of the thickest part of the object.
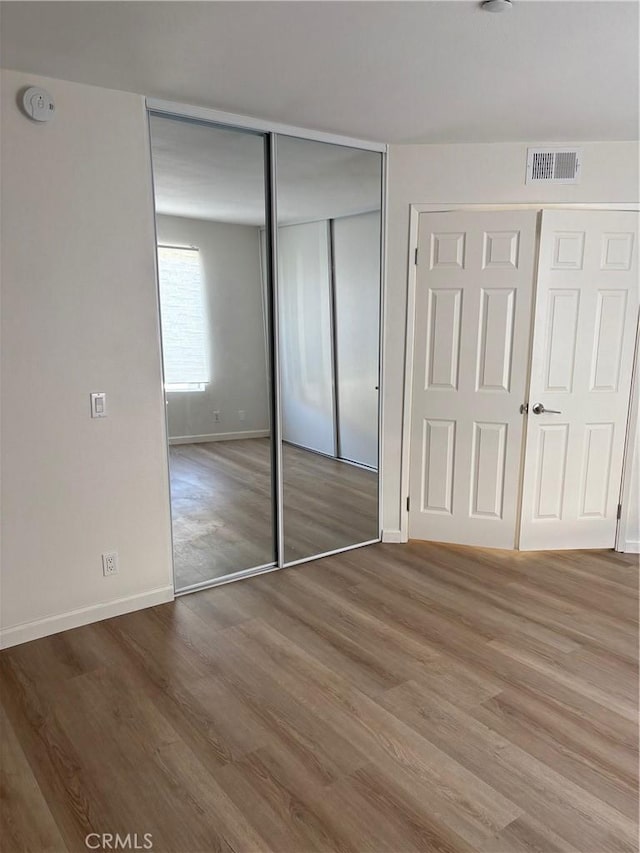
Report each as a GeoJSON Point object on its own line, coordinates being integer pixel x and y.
{"type": "Point", "coordinates": [206, 172]}
{"type": "Point", "coordinates": [547, 70]}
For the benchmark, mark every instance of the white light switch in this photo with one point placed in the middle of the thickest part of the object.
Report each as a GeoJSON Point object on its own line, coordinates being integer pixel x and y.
{"type": "Point", "coordinates": [99, 405]}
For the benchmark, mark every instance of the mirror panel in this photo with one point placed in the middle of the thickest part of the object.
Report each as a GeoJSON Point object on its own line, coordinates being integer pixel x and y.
{"type": "Point", "coordinates": [209, 185]}
{"type": "Point", "coordinates": [329, 246]}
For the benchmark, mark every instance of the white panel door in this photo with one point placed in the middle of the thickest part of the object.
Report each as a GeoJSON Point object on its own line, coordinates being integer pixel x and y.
{"type": "Point", "coordinates": [585, 327]}
{"type": "Point", "coordinates": [356, 277]}
{"type": "Point", "coordinates": [305, 337]}
{"type": "Point", "coordinates": [473, 310]}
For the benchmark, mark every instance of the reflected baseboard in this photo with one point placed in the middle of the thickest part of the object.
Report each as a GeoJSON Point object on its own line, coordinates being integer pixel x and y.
{"type": "Point", "coordinates": [219, 436]}
{"type": "Point", "coordinates": [330, 456]}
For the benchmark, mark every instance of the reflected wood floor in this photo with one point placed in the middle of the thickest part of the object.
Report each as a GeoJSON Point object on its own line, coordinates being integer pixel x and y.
{"type": "Point", "coordinates": [220, 508]}
{"type": "Point", "coordinates": [222, 514]}
{"type": "Point", "coordinates": [397, 698]}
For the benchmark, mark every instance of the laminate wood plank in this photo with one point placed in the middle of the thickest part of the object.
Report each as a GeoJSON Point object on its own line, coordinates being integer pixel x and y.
{"type": "Point", "coordinates": [26, 823]}
{"type": "Point", "coordinates": [399, 803]}
{"type": "Point", "coordinates": [460, 599]}
{"type": "Point", "coordinates": [392, 699]}
{"type": "Point", "coordinates": [528, 835]}
{"type": "Point", "coordinates": [384, 739]}
{"type": "Point", "coordinates": [225, 668]}
{"type": "Point", "coordinates": [569, 810]}
{"type": "Point", "coordinates": [73, 801]}
{"type": "Point", "coordinates": [560, 673]}
{"type": "Point", "coordinates": [580, 753]}
{"type": "Point", "coordinates": [439, 625]}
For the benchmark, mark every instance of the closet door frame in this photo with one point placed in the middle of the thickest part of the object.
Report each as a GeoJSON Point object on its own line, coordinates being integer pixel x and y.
{"type": "Point", "coordinates": [414, 217]}
{"type": "Point", "coordinates": [270, 131]}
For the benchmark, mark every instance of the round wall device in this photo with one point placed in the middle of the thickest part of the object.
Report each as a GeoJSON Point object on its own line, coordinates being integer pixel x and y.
{"type": "Point", "coordinates": [496, 5]}
{"type": "Point", "coordinates": [38, 104]}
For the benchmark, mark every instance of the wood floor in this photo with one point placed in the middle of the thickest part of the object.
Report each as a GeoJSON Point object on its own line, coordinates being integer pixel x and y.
{"type": "Point", "coordinates": [222, 513]}
{"type": "Point", "coordinates": [395, 698]}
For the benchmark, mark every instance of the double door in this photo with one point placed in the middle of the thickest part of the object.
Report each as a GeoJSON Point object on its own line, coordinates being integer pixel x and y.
{"type": "Point", "coordinates": [524, 343]}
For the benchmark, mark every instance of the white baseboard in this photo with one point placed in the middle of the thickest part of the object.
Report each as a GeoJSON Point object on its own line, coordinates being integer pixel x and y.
{"type": "Point", "coordinates": [84, 616]}
{"type": "Point", "coordinates": [219, 436]}
{"type": "Point", "coordinates": [631, 546]}
{"type": "Point", "coordinates": [393, 536]}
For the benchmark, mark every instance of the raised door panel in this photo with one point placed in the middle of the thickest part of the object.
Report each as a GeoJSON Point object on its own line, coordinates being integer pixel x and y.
{"type": "Point", "coordinates": [501, 250]}
{"type": "Point", "coordinates": [617, 251]}
{"type": "Point", "coordinates": [443, 342]}
{"type": "Point", "coordinates": [447, 250]}
{"type": "Point", "coordinates": [563, 307]}
{"type": "Point", "coordinates": [488, 469]}
{"type": "Point", "coordinates": [551, 466]}
{"type": "Point", "coordinates": [596, 470]}
{"type": "Point", "coordinates": [497, 311]}
{"type": "Point", "coordinates": [568, 250]}
{"type": "Point", "coordinates": [438, 449]}
{"type": "Point", "coordinates": [608, 339]}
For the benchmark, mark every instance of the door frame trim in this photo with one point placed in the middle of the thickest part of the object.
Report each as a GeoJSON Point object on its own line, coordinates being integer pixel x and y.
{"type": "Point", "coordinates": [414, 219]}
{"type": "Point", "coordinates": [622, 543]}
{"type": "Point", "coordinates": [257, 125]}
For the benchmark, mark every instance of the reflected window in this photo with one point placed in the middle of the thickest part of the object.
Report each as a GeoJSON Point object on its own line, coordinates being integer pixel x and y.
{"type": "Point", "coordinates": [185, 346]}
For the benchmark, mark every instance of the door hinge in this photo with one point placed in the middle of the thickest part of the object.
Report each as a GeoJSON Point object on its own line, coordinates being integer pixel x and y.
{"type": "Point", "coordinates": [408, 503]}
{"type": "Point", "coordinates": [415, 257]}
{"type": "Point", "coordinates": [619, 515]}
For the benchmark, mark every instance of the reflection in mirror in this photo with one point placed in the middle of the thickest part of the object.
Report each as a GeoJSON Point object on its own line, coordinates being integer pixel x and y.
{"type": "Point", "coordinates": [328, 203]}
{"type": "Point", "coordinates": [210, 209]}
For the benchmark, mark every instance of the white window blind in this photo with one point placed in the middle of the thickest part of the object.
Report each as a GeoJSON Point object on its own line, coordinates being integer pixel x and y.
{"type": "Point", "coordinates": [184, 322]}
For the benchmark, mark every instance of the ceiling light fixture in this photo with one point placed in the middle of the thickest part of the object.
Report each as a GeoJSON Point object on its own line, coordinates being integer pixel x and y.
{"type": "Point", "coordinates": [496, 5]}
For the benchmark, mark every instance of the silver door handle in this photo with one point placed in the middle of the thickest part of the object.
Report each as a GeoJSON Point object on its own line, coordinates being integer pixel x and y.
{"type": "Point", "coordinates": [539, 409]}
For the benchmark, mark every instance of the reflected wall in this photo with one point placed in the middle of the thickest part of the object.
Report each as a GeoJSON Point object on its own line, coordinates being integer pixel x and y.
{"type": "Point", "coordinates": [328, 284]}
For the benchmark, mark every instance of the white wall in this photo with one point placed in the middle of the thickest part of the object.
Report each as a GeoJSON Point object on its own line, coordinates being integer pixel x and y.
{"type": "Point", "coordinates": [230, 257]}
{"type": "Point", "coordinates": [79, 315]}
{"type": "Point", "coordinates": [473, 174]}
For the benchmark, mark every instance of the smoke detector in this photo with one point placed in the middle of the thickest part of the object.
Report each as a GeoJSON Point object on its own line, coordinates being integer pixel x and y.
{"type": "Point", "coordinates": [496, 5]}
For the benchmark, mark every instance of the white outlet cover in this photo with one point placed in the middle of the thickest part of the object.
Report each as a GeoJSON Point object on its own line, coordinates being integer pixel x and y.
{"type": "Point", "coordinates": [110, 563]}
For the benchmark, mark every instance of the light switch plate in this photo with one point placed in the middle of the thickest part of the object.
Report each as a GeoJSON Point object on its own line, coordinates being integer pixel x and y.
{"type": "Point", "coordinates": [98, 404]}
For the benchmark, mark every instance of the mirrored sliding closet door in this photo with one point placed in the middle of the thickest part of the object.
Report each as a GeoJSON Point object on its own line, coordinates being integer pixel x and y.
{"type": "Point", "coordinates": [209, 185]}
{"type": "Point", "coordinates": [328, 288]}
{"type": "Point", "coordinates": [268, 250]}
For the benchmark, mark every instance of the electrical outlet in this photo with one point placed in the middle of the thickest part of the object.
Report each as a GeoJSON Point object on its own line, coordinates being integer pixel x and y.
{"type": "Point", "coordinates": [110, 563]}
{"type": "Point", "coordinates": [216, 416]}
{"type": "Point", "coordinates": [241, 414]}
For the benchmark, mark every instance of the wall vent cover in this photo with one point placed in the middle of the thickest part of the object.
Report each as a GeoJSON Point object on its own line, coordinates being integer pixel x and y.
{"type": "Point", "coordinates": [554, 165]}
